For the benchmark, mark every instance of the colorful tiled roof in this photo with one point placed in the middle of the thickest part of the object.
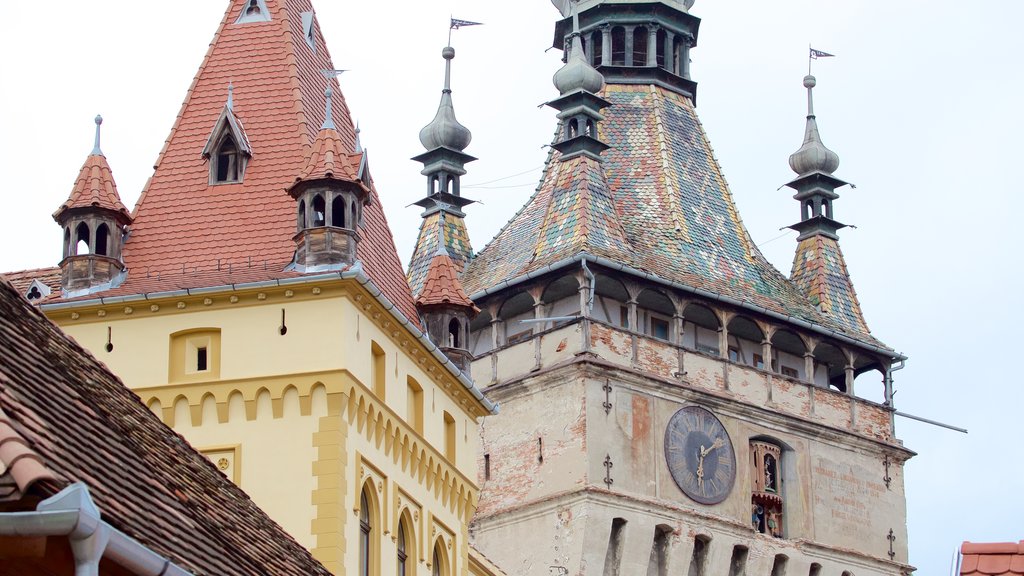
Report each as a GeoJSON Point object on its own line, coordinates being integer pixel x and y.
{"type": "Point", "coordinates": [65, 418]}
{"type": "Point", "coordinates": [182, 221]}
{"type": "Point", "coordinates": [819, 270]}
{"type": "Point", "coordinates": [456, 243]}
{"type": "Point", "coordinates": [999, 559]}
{"type": "Point", "coordinates": [95, 188]}
{"type": "Point", "coordinates": [442, 286]}
{"type": "Point", "coordinates": [677, 216]}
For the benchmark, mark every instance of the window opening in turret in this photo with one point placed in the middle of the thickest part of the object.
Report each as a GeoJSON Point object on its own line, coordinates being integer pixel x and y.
{"type": "Point", "coordinates": [618, 46]}
{"type": "Point", "coordinates": [640, 46]}
{"type": "Point", "coordinates": [815, 570]}
{"type": "Point", "coordinates": [454, 330]}
{"type": "Point", "coordinates": [596, 48]}
{"type": "Point", "coordinates": [319, 211]}
{"type": "Point", "coordinates": [338, 212]}
{"type": "Point", "coordinates": [302, 214]}
{"type": "Point", "coordinates": [67, 241]}
{"type": "Point", "coordinates": [227, 161]}
{"type": "Point", "coordinates": [102, 236]}
{"type": "Point", "coordinates": [658, 563]}
{"type": "Point", "coordinates": [660, 48]}
{"type": "Point", "coordinates": [82, 238]}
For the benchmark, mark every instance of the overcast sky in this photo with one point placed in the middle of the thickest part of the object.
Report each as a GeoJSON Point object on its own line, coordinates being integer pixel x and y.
{"type": "Point", "coordinates": [922, 103]}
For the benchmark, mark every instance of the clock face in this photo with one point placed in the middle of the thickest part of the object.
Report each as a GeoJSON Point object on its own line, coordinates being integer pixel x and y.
{"type": "Point", "coordinates": [700, 455]}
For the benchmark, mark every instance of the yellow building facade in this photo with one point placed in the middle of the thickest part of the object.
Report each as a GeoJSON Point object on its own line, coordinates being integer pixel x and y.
{"type": "Point", "coordinates": [254, 301]}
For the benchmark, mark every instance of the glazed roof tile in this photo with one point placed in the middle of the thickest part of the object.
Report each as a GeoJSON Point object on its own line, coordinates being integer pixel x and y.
{"type": "Point", "coordinates": [676, 213]}
{"type": "Point", "coordinates": [95, 188]}
{"type": "Point", "coordinates": [456, 241]}
{"type": "Point", "coordinates": [181, 221]}
{"type": "Point", "coordinates": [819, 270]}
{"type": "Point", "coordinates": [442, 286]}
{"type": "Point", "coordinates": [997, 559]}
{"type": "Point", "coordinates": [71, 420]}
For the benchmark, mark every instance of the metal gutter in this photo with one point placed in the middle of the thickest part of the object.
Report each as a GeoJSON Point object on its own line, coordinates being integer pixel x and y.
{"type": "Point", "coordinates": [715, 296]}
{"type": "Point", "coordinates": [72, 513]}
{"type": "Point", "coordinates": [354, 272]}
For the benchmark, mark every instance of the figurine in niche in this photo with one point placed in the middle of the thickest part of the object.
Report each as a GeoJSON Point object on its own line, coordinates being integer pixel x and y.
{"type": "Point", "coordinates": [757, 517]}
{"type": "Point", "coordinates": [773, 525]}
{"type": "Point", "coordinates": [769, 473]}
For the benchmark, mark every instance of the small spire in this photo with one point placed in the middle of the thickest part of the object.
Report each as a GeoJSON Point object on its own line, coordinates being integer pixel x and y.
{"type": "Point", "coordinates": [813, 156]}
{"type": "Point", "coordinates": [444, 130]}
{"type": "Point", "coordinates": [577, 73]}
{"type": "Point", "coordinates": [231, 97]}
{"type": "Point", "coordinates": [329, 116]}
{"type": "Point", "coordinates": [96, 145]}
{"type": "Point", "coordinates": [359, 140]}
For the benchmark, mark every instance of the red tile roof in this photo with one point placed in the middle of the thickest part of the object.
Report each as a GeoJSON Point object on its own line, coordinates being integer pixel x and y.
{"type": "Point", "coordinates": [65, 418]}
{"type": "Point", "coordinates": [22, 281]}
{"type": "Point", "coordinates": [95, 188]}
{"type": "Point", "coordinates": [998, 559]}
{"type": "Point", "coordinates": [330, 159]}
{"type": "Point", "coordinates": [181, 221]}
{"type": "Point", "coordinates": [443, 286]}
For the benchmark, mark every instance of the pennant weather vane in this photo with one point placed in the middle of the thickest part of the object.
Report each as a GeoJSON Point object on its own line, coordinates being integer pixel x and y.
{"type": "Point", "coordinates": [814, 55]}
{"type": "Point", "coordinates": [456, 24]}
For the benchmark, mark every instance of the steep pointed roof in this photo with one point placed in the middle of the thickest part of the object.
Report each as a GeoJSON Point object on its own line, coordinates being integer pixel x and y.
{"type": "Point", "coordinates": [442, 286]}
{"type": "Point", "coordinates": [95, 186]}
{"type": "Point", "coordinates": [676, 213]}
{"type": "Point", "coordinates": [456, 244]}
{"type": "Point", "coordinates": [278, 92]}
{"type": "Point", "coordinates": [819, 271]}
{"type": "Point", "coordinates": [65, 418]}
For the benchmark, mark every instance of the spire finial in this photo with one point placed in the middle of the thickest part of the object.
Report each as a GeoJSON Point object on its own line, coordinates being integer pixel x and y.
{"type": "Point", "coordinates": [329, 116]}
{"type": "Point", "coordinates": [359, 140]}
{"type": "Point", "coordinates": [813, 156]}
{"type": "Point", "coordinates": [444, 130]}
{"type": "Point", "coordinates": [231, 97]}
{"type": "Point", "coordinates": [577, 73]}
{"type": "Point", "coordinates": [96, 145]}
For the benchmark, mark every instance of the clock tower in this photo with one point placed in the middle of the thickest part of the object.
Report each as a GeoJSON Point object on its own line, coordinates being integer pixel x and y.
{"type": "Point", "coordinates": [672, 403]}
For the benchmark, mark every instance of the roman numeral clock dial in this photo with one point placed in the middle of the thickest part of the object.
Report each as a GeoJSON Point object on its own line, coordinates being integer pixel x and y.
{"type": "Point", "coordinates": [700, 455]}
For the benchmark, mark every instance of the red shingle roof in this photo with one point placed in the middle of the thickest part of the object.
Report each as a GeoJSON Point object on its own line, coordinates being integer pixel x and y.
{"type": "Point", "coordinates": [182, 221]}
{"type": "Point", "coordinates": [95, 188]}
{"type": "Point", "coordinates": [331, 159]}
{"type": "Point", "coordinates": [998, 559]}
{"type": "Point", "coordinates": [443, 286]}
{"type": "Point", "coordinates": [65, 418]}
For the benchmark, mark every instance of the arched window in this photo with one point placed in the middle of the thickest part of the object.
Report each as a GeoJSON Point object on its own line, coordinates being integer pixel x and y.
{"type": "Point", "coordinates": [596, 48]}
{"type": "Point", "coordinates": [319, 211]}
{"type": "Point", "coordinates": [102, 236]}
{"type": "Point", "coordinates": [67, 241]}
{"type": "Point", "coordinates": [365, 535]}
{"type": "Point", "coordinates": [353, 215]}
{"type": "Point", "coordinates": [338, 212]}
{"type": "Point", "coordinates": [82, 238]}
{"type": "Point", "coordinates": [253, 9]}
{"type": "Point", "coordinates": [302, 214]}
{"type": "Point", "coordinates": [618, 46]}
{"type": "Point", "coordinates": [574, 128]}
{"type": "Point", "coordinates": [640, 46]}
{"type": "Point", "coordinates": [226, 169]}
{"type": "Point", "coordinates": [440, 561]}
{"type": "Point", "coordinates": [454, 334]}
{"type": "Point", "coordinates": [401, 545]}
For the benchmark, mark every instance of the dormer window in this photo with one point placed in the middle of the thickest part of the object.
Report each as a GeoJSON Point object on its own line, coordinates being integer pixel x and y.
{"type": "Point", "coordinates": [227, 149]}
{"type": "Point", "coordinates": [226, 162]}
{"type": "Point", "coordinates": [37, 291]}
{"type": "Point", "coordinates": [254, 11]}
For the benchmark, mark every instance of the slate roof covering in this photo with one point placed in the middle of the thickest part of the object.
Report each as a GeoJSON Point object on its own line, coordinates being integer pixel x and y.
{"type": "Point", "coordinates": [819, 270]}
{"type": "Point", "coordinates": [181, 221]}
{"type": "Point", "coordinates": [95, 188]}
{"type": "Point", "coordinates": [456, 240]}
{"type": "Point", "coordinates": [69, 419]}
{"type": "Point", "coordinates": [998, 559]}
{"type": "Point", "coordinates": [673, 205]}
